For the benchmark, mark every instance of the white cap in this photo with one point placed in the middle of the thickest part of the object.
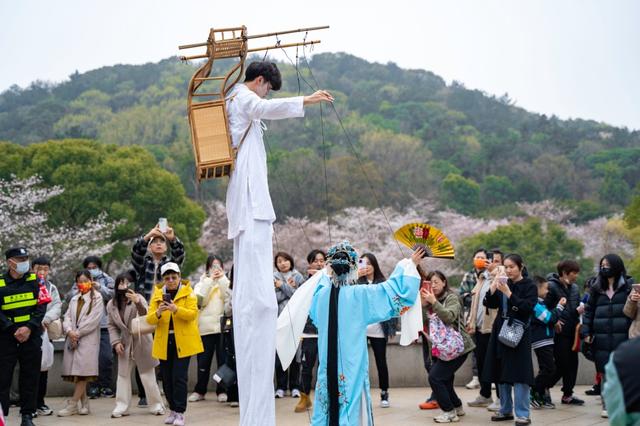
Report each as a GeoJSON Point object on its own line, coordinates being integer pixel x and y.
{"type": "Point", "coordinates": [169, 266]}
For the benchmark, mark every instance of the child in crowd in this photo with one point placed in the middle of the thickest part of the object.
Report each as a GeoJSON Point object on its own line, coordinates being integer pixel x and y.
{"type": "Point", "coordinates": [542, 332]}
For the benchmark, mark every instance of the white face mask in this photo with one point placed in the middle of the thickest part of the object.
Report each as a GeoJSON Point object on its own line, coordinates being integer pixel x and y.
{"type": "Point", "coordinates": [22, 267]}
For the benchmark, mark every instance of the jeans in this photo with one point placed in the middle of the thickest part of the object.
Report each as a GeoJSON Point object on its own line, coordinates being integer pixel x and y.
{"type": "Point", "coordinates": [175, 372]}
{"type": "Point", "coordinates": [480, 352]}
{"type": "Point", "coordinates": [426, 358]}
{"type": "Point", "coordinates": [105, 362]}
{"type": "Point", "coordinates": [309, 356]}
{"type": "Point", "coordinates": [212, 344]}
{"type": "Point", "coordinates": [441, 379]}
{"type": "Point", "coordinates": [290, 378]}
{"type": "Point", "coordinates": [379, 348]}
{"type": "Point", "coordinates": [521, 396]}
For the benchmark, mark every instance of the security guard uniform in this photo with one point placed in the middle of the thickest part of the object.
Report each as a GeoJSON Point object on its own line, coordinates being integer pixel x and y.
{"type": "Point", "coordinates": [19, 307]}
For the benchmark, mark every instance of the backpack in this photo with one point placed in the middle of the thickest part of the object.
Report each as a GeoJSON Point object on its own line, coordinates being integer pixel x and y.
{"type": "Point", "coordinates": [446, 342]}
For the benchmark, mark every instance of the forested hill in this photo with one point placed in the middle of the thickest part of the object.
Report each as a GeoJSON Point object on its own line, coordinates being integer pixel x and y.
{"type": "Point", "coordinates": [413, 134]}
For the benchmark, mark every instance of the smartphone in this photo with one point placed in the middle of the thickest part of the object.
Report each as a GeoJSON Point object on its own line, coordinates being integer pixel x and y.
{"type": "Point", "coordinates": [490, 257]}
{"type": "Point", "coordinates": [163, 224]}
{"type": "Point", "coordinates": [503, 279]}
{"type": "Point", "coordinates": [362, 263]}
{"type": "Point", "coordinates": [636, 288]}
{"type": "Point", "coordinates": [216, 267]}
{"type": "Point", "coordinates": [426, 285]}
{"type": "Point", "coordinates": [166, 297]}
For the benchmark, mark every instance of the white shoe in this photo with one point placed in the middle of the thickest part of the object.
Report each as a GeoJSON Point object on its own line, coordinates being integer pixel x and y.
{"type": "Point", "coordinates": [69, 410]}
{"type": "Point", "coordinates": [604, 414]}
{"type": "Point", "coordinates": [118, 414]}
{"type": "Point", "coordinates": [157, 410]}
{"type": "Point", "coordinates": [83, 406]}
{"type": "Point", "coordinates": [295, 393]}
{"type": "Point", "coordinates": [480, 401]}
{"type": "Point", "coordinates": [195, 397]}
{"type": "Point", "coordinates": [460, 411]}
{"type": "Point", "coordinates": [473, 384]}
{"type": "Point", "coordinates": [279, 393]}
{"type": "Point", "coordinates": [223, 397]}
{"type": "Point", "coordinates": [495, 406]}
{"type": "Point", "coordinates": [384, 403]}
{"type": "Point", "coordinates": [447, 417]}
{"type": "Point", "coordinates": [234, 404]}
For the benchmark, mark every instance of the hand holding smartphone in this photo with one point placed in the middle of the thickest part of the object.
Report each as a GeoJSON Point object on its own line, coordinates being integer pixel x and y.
{"type": "Point", "coordinates": [163, 225]}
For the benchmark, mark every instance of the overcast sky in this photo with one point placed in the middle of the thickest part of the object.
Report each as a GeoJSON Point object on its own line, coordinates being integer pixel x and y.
{"type": "Point", "coordinates": [572, 58]}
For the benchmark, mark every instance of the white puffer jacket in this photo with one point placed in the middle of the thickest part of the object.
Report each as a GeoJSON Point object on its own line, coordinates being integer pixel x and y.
{"type": "Point", "coordinates": [212, 295]}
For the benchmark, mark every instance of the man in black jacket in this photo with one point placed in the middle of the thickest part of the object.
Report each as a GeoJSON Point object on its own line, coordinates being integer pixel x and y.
{"type": "Point", "coordinates": [21, 315]}
{"type": "Point", "coordinates": [563, 284]}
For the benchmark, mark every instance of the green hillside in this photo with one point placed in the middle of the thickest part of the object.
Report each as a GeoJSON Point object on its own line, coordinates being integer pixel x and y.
{"type": "Point", "coordinates": [411, 132]}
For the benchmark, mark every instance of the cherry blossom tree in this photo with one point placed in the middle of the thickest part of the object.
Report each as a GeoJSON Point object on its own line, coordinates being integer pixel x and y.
{"type": "Point", "coordinates": [24, 224]}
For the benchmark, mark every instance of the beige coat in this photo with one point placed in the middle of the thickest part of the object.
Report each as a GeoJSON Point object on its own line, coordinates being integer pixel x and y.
{"type": "Point", "coordinates": [489, 314]}
{"type": "Point", "coordinates": [136, 347]}
{"type": "Point", "coordinates": [631, 310]}
{"type": "Point", "coordinates": [212, 296]}
{"type": "Point", "coordinates": [83, 361]}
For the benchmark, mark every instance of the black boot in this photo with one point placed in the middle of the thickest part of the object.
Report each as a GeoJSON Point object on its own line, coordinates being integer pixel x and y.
{"type": "Point", "coordinates": [27, 420]}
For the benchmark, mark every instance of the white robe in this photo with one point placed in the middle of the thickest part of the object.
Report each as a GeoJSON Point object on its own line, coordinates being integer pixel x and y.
{"type": "Point", "coordinates": [249, 177]}
{"type": "Point", "coordinates": [250, 214]}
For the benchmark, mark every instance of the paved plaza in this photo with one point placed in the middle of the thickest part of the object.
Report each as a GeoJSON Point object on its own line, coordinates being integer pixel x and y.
{"type": "Point", "coordinates": [404, 411]}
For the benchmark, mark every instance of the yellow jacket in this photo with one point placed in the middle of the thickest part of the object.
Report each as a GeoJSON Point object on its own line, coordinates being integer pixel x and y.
{"type": "Point", "coordinates": [185, 323]}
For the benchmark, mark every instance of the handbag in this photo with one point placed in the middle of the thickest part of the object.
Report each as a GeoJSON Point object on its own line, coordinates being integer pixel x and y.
{"type": "Point", "coordinates": [512, 329]}
{"type": "Point", "coordinates": [54, 329]}
{"type": "Point", "coordinates": [447, 343]}
{"type": "Point", "coordinates": [226, 323]}
{"type": "Point", "coordinates": [226, 376]}
{"type": "Point", "coordinates": [140, 325]}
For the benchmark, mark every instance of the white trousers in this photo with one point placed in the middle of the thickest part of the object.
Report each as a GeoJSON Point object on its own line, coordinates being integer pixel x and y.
{"type": "Point", "coordinates": [255, 312]}
{"type": "Point", "coordinates": [123, 388]}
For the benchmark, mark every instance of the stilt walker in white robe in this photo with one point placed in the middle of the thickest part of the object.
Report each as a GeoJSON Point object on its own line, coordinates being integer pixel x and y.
{"type": "Point", "coordinates": [341, 310]}
{"type": "Point", "coordinates": [251, 215]}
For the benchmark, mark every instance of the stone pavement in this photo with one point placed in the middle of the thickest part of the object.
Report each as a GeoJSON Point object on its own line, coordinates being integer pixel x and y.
{"type": "Point", "coordinates": [404, 411]}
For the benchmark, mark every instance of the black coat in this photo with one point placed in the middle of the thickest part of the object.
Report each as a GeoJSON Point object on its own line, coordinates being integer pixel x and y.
{"type": "Point", "coordinates": [504, 364]}
{"type": "Point", "coordinates": [569, 316]}
{"type": "Point", "coordinates": [605, 320]}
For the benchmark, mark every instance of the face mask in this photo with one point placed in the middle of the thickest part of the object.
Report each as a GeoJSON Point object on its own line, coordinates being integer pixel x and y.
{"type": "Point", "coordinates": [22, 267]}
{"type": "Point", "coordinates": [479, 263]}
{"type": "Point", "coordinates": [606, 272]}
{"type": "Point", "coordinates": [84, 288]}
{"type": "Point", "coordinates": [95, 272]}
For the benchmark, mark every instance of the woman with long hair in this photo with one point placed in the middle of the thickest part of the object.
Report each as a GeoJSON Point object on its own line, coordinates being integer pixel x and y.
{"type": "Point", "coordinates": [286, 280]}
{"type": "Point", "coordinates": [438, 299]}
{"type": "Point", "coordinates": [605, 326]}
{"type": "Point", "coordinates": [82, 329]}
{"type": "Point", "coordinates": [132, 349]}
{"type": "Point", "coordinates": [515, 297]}
{"type": "Point", "coordinates": [378, 334]}
{"type": "Point", "coordinates": [212, 292]}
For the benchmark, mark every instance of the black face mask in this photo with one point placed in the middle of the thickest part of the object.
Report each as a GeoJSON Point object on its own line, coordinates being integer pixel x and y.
{"type": "Point", "coordinates": [606, 272]}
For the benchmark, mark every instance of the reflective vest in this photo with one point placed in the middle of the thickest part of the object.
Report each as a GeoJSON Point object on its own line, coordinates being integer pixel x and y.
{"type": "Point", "coordinates": [20, 299]}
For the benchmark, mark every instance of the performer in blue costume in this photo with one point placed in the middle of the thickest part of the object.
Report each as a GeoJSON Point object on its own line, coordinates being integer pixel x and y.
{"type": "Point", "coordinates": [341, 310]}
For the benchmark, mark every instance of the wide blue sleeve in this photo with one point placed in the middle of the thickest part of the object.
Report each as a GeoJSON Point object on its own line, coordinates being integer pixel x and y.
{"type": "Point", "coordinates": [390, 298]}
